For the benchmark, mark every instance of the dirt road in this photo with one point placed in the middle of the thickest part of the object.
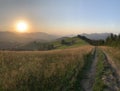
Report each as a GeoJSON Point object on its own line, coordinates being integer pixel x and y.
{"type": "Point", "coordinates": [110, 76]}
{"type": "Point", "coordinates": [87, 83]}
{"type": "Point", "coordinates": [114, 78]}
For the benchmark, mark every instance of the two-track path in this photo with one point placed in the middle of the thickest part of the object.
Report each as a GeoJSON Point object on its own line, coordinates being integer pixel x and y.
{"type": "Point", "coordinates": [113, 82]}
{"type": "Point", "coordinates": [116, 75]}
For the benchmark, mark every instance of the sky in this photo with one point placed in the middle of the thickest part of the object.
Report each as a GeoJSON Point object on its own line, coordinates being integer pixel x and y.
{"type": "Point", "coordinates": [62, 16]}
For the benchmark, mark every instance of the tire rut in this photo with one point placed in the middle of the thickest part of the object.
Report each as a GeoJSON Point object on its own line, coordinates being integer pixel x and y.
{"type": "Point", "coordinates": [110, 76]}
{"type": "Point", "coordinates": [88, 81]}
{"type": "Point", "coordinates": [111, 80]}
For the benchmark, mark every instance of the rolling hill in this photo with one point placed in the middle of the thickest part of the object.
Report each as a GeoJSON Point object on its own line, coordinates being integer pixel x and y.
{"type": "Point", "coordinates": [60, 43]}
{"type": "Point", "coordinates": [43, 41]}
{"type": "Point", "coordinates": [10, 40]}
{"type": "Point", "coordinates": [68, 42]}
{"type": "Point", "coordinates": [25, 37]}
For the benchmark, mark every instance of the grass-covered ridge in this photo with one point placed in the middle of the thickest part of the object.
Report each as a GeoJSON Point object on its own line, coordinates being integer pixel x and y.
{"type": "Point", "coordinates": [69, 42]}
{"type": "Point", "coordinates": [61, 43]}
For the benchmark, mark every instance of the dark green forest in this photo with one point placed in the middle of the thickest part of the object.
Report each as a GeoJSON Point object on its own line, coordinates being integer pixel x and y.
{"type": "Point", "coordinates": [113, 40]}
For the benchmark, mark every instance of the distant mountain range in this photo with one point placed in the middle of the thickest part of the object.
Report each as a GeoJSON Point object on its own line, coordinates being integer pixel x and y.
{"type": "Point", "coordinates": [10, 39]}
{"type": "Point", "coordinates": [25, 37]}
{"type": "Point", "coordinates": [97, 36]}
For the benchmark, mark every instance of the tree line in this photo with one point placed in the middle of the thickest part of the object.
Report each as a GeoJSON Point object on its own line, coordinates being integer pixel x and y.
{"type": "Point", "coordinates": [112, 40]}
{"type": "Point", "coordinates": [92, 42]}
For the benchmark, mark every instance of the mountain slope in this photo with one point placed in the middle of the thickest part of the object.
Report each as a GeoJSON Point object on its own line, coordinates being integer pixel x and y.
{"type": "Point", "coordinates": [25, 37]}
{"type": "Point", "coordinates": [68, 42]}
{"type": "Point", "coordinates": [96, 36]}
{"type": "Point", "coordinates": [9, 40]}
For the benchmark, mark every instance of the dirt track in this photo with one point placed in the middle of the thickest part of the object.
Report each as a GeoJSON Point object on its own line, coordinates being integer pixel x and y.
{"type": "Point", "coordinates": [113, 65]}
{"type": "Point", "coordinates": [110, 77]}
{"type": "Point", "coordinates": [87, 83]}
{"type": "Point", "coordinates": [114, 78]}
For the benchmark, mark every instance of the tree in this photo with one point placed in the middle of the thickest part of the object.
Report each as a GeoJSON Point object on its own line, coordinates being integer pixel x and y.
{"type": "Point", "coordinates": [63, 42]}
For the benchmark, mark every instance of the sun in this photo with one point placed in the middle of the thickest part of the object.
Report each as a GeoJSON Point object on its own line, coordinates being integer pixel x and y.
{"type": "Point", "coordinates": [22, 26]}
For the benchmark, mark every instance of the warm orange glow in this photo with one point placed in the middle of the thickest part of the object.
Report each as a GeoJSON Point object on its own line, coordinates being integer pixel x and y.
{"type": "Point", "coordinates": [22, 26]}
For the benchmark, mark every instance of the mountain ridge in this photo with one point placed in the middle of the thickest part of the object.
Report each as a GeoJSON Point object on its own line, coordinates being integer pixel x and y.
{"type": "Point", "coordinates": [96, 36]}
{"type": "Point", "coordinates": [13, 39]}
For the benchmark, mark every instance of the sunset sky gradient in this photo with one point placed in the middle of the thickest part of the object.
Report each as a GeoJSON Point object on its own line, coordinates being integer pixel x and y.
{"type": "Point", "coordinates": [62, 16]}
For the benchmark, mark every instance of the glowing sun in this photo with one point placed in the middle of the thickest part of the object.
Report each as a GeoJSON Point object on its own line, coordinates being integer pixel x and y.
{"type": "Point", "coordinates": [22, 26]}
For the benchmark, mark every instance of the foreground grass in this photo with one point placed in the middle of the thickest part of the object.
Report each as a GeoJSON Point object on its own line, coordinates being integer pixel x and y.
{"type": "Point", "coordinates": [99, 83]}
{"type": "Point", "coordinates": [41, 71]}
{"type": "Point", "coordinates": [114, 53]}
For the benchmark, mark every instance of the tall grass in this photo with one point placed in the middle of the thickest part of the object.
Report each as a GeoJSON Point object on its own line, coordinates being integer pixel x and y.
{"type": "Point", "coordinates": [41, 71]}
{"type": "Point", "coordinates": [114, 53]}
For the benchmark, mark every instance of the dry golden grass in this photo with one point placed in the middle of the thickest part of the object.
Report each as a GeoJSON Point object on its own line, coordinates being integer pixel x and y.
{"type": "Point", "coordinates": [40, 70]}
{"type": "Point", "coordinates": [114, 53]}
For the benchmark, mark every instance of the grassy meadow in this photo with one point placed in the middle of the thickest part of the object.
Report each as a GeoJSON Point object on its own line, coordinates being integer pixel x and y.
{"type": "Point", "coordinates": [55, 70]}
{"type": "Point", "coordinates": [69, 43]}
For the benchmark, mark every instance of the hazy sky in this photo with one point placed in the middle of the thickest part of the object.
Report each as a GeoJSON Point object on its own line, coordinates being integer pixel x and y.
{"type": "Point", "coordinates": [62, 16]}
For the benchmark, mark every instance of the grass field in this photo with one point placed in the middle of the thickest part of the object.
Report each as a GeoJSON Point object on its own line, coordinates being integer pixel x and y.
{"type": "Point", "coordinates": [55, 70]}
{"type": "Point", "coordinates": [60, 70]}
{"type": "Point", "coordinates": [77, 42]}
